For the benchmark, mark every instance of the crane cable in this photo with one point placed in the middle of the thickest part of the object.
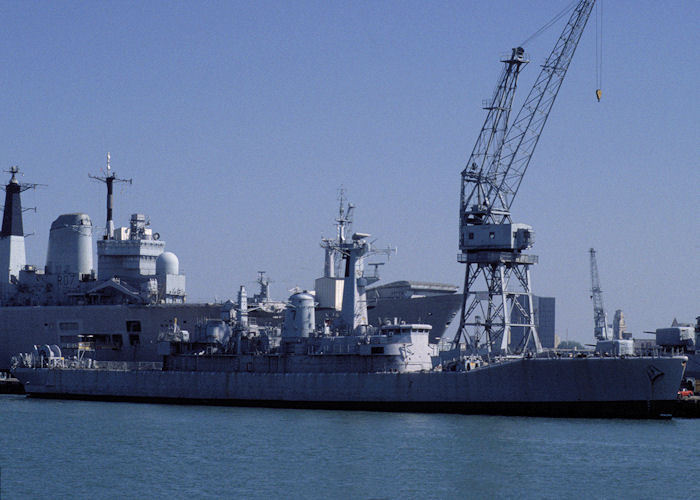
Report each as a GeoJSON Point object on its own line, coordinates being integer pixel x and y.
{"type": "Point", "coordinates": [598, 41]}
{"type": "Point", "coordinates": [550, 23]}
{"type": "Point", "coordinates": [599, 49]}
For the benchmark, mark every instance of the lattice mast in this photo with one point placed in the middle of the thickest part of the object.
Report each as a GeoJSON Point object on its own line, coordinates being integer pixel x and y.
{"type": "Point", "coordinates": [497, 291]}
{"type": "Point", "coordinates": [600, 318]}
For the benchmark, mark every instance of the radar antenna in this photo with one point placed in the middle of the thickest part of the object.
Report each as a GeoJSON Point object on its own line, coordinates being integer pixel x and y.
{"type": "Point", "coordinates": [334, 261]}
{"type": "Point", "coordinates": [23, 186]}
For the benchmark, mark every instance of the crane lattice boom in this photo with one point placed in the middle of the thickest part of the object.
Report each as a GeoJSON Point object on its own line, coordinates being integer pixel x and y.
{"type": "Point", "coordinates": [488, 145]}
{"type": "Point", "coordinates": [599, 317]}
{"type": "Point", "coordinates": [501, 181]}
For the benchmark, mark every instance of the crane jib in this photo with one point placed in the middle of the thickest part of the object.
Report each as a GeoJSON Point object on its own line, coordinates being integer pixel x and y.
{"type": "Point", "coordinates": [502, 152]}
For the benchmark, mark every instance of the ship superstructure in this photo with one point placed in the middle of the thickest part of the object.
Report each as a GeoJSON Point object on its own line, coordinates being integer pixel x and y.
{"type": "Point", "coordinates": [681, 338]}
{"type": "Point", "coordinates": [393, 367]}
{"type": "Point", "coordinates": [411, 301]}
{"type": "Point", "coordinates": [137, 287]}
{"type": "Point", "coordinates": [134, 267]}
{"type": "Point", "coordinates": [262, 310]}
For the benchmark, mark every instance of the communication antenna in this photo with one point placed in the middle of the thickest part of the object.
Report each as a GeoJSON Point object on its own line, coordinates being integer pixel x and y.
{"type": "Point", "coordinates": [345, 216]}
{"type": "Point", "coordinates": [23, 186]}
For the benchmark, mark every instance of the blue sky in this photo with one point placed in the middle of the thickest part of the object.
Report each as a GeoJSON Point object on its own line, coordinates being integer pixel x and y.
{"type": "Point", "coordinates": [238, 121]}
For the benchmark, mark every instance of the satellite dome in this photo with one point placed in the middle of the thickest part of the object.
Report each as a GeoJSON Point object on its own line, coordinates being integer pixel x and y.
{"type": "Point", "coordinates": [167, 263]}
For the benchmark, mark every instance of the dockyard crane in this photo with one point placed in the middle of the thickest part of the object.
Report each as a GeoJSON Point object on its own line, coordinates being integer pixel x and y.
{"type": "Point", "coordinates": [491, 245]}
{"type": "Point", "coordinates": [600, 318]}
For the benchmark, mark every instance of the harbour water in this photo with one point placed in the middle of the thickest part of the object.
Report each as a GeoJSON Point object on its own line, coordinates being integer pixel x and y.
{"type": "Point", "coordinates": [76, 449]}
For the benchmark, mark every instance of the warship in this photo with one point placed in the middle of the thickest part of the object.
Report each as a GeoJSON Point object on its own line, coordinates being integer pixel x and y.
{"type": "Point", "coordinates": [345, 363]}
{"type": "Point", "coordinates": [342, 361]}
{"type": "Point", "coordinates": [136, 290]}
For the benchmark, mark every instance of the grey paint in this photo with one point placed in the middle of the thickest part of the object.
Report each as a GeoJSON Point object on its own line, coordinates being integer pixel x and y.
{"type": "Point", "coordinates": [546, 382]}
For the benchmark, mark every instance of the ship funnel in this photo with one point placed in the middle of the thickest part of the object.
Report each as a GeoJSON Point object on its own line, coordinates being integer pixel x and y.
{"type": "Point", "coordinates": [300, 316]}
{"type": "Point", "coordinates": [70, 245]}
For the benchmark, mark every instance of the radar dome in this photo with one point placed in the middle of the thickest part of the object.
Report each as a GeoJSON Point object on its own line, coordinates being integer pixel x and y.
{"type": "Point", "coordinates": [167, 263]}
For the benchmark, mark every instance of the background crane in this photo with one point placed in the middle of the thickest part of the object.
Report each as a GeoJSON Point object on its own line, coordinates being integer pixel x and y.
{"type": "Point", "coordinates": [497, 278]}
{"type": "Point", "coordinates": [600, 318]}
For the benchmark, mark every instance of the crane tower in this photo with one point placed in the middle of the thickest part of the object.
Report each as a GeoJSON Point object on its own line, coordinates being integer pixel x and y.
{"type": "Point", "coordinates": [497, 278]}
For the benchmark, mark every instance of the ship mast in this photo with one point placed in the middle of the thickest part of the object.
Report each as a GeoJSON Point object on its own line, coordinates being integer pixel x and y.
{"type": "Point", "coordinates": [109, 179]}
{"type": "Point", "coordinates": [334, 257]}
{"type": "Point", "coordinates": [12, 251]}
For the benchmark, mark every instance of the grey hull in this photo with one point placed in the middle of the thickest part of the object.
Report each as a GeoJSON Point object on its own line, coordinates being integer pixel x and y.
{"type": "Point", "coordinates": [693, 368]}
{"type": "Point", "coordinates": [21, 327]}
{"type": "Point", "coordinates": [568, 409]}
{"type": "Point", "coordinates": [590, 387]}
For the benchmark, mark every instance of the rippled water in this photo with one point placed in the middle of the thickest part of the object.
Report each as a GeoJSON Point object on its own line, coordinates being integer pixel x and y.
{"type": "Point", "coordinates": [62, 449]}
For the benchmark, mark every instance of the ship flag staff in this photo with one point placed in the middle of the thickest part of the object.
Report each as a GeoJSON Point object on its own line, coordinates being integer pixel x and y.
{"type": "Point", "coordinates": [109, 179]}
